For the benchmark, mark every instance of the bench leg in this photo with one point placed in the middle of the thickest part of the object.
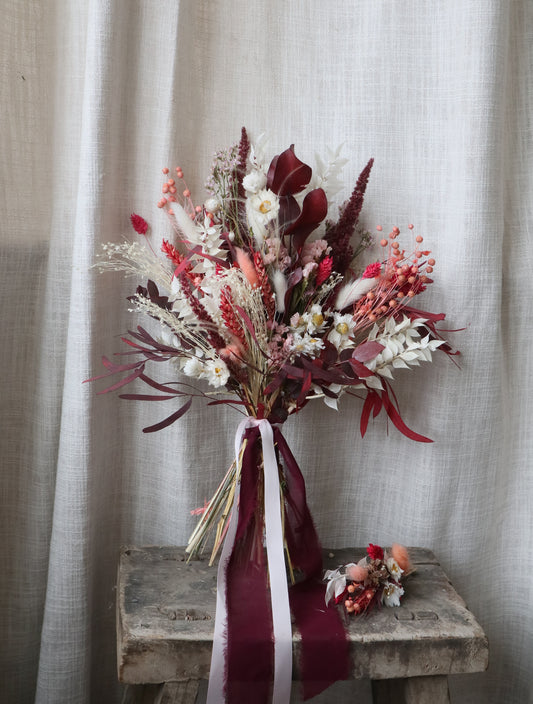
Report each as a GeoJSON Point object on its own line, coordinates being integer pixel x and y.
{"type": "Point", "coordinates": [178, 692]}
{"type": "Point", "coordinates": [412, 690]}
{"type": "Point", "coordinates": [166, 693]}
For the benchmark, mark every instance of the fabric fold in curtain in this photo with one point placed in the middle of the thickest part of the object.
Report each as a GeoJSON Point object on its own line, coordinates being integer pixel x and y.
{"type": "Point", "coordinates": [96, 98]}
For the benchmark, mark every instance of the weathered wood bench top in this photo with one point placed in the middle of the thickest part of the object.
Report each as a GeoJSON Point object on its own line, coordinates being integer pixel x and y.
{"type": "Point", "coordinates": [166, 612]}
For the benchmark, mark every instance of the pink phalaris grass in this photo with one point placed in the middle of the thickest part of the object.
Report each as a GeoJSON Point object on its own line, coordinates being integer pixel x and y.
{"type": "Point", "coordinates": [229, 317]}
{"type": "Point", "coordinates": [266, 289]}
{"type": "Point", "coordinates": [177, 259]}
{"type": "Point", "coordinates": [338, 236]}
{"type": "Point", "coordinates": [234, 352]}
{"type": "Point", "coordinates": [139, 224]}
{"type": "Point", "coordinates": [215, 339]}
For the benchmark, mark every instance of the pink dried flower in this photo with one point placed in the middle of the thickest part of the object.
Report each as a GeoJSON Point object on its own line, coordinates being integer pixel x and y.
{"type": "Point", "coordinates": [372, 271]}
{"type": "Point", "coordinates": [312, 251]}
{"type": "Point", "coordinates": [233, 352]}
{"type": "Point", "coordinates": [375, 552]}
{"type": "Point", "coordinates": [324, 270]}
{"type": "Point", "coordinates": [139, 224]}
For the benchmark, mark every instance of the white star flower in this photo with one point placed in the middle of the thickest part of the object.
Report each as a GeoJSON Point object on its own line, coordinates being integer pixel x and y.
{"type": "Point", "coordinates": [315, 319]}
{"type": "Point", "coordinates": [216, 372]}
{"type": "Point", "coordinates": [193, 367]}
{"type": "Point", "coordinates": [391, 594]}
{"type": "Point", "coordinates": [343, 327]}
{"type": "Point", "coordinates": [306, 344]}
{"type": "Point", "coordinates": [394, 568]}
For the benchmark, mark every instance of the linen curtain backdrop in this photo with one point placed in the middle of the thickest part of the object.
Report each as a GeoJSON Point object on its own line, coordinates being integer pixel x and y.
{"type": "Point", "coordinates": [97, 97]}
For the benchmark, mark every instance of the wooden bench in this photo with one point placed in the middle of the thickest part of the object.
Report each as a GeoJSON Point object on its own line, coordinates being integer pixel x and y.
{"type": "Point", "coordinates": [166, 611]}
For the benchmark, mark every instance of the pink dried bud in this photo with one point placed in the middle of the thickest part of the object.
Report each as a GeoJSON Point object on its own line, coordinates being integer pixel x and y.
{"type": "Point", "coordinates": [372, 271]}
{"type": "Point", "coordinates": [357, 573]}
{"type": "Point", "coordinates": [324, 270]}
{"type": "Point", "coordinates": [139, 224]}
{"type": "Point", "coordinates": [400, 554]}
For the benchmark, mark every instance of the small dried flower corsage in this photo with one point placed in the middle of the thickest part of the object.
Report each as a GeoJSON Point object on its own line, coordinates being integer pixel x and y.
{"type": "Point", "coordinates": [374, 580]}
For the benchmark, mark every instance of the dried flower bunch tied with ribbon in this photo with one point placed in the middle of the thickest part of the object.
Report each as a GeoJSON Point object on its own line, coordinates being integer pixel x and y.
{"type": "Point", "coordinates": [375, 580]}
{"type": "Point", "coordinates": [259, 302]}
{"type": "Point", "coordinates": [258, 295]}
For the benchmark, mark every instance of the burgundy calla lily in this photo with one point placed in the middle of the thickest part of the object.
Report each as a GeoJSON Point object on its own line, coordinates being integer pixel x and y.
{"type": "Point", "coordinates": [288, 175]}
{"type": "Point", "coordinates": [314, 210]}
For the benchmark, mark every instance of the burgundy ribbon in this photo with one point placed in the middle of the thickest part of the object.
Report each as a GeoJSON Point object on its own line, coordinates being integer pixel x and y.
{"type": "Point", "coordinates": [325, 654]}
{"type": "Point", "coordinates": [246, 640]}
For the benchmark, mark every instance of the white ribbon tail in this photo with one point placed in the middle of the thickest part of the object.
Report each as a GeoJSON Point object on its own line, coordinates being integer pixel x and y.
{"type": "Point", "coordinates": [279, 594]}
{"type": "Point", "coordinates": [281, 615]}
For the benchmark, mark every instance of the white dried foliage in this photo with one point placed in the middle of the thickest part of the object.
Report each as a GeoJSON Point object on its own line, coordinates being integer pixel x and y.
{"type": "Point", "coordinates": [404, 347]}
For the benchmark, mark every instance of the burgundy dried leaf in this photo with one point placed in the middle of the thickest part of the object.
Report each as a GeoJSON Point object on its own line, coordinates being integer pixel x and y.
{"type": "Point", "coordinates": [127, 380]}
{"type": "Point", "coordinates": [249, 326]}
{"type": "Point", "coordinates": [145, 397]}
{"type": "Point", "coordinates": [394, 415]}
{"type": "Point", "coordinates": [171, 419]}
{"type": "Point", "coordinates": [160, 387]}
{"type": "Point", "coordinates": [113, 369]}
{"type": "Point", "coordinates": [372, 402]}
{"type": "Point", "coordinates": [308, 380]}
{"type": "Point", "coordinates": [360, 369]}
{"type": "Point", "coordinates": [228, 401]}
{"type": "Point", "coordinates": [276, 382]}
{"type": "Point", "coordinates": [289, 212]}
{"type": "Point", "coordinates": [367, 351]}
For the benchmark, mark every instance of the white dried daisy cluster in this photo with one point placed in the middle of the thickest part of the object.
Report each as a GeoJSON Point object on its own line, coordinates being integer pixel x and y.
{"type": "Point", "coordinates": [404, 345]}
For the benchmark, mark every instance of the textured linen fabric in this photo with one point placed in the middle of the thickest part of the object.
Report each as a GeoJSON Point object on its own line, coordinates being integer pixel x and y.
{"type": "Point", "coordinates": [97, 96]}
